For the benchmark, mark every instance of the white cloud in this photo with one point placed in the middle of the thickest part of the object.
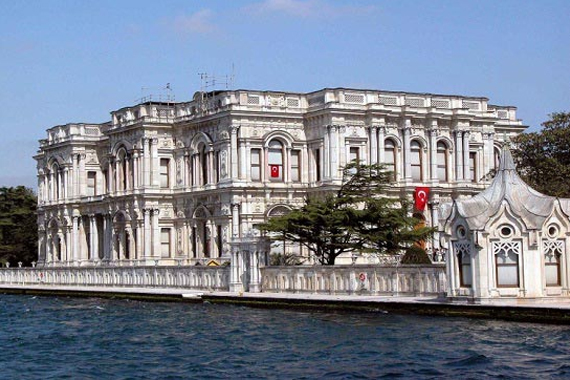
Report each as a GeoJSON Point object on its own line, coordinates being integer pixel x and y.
{"type": "Point", "coordinates": [199, 22]}
{"type": "Point", "coordinates": [308, 8]}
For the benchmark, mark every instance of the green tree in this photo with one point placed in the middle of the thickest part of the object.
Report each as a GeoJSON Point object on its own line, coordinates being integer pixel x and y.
{"type": "Point", "coordinates": [382, 224]}
{"type": "Point", "coordinates": [359, 217]}
{"type": "Point", "coordinates": [543, 158]}
{"type": "Point", "coordinates": [319, 225]}
{"type": "Point", "coordinates": [18, 225]}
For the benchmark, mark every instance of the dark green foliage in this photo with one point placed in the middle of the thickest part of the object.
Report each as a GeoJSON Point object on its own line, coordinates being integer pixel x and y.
{"type": "Point", "coordinates": [18, 225]}
{"type": "Point", "coordinates": [543, 158]}
{"type": "Point", "coordinates": [415, 255]}
{"type": "Point", "coordinates": [359, 218]}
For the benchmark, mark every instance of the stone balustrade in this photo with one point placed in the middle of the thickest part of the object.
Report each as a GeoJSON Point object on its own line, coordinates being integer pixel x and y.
{"type": "Point", "coordinates": [400, 280]}
{"type": "Point", "coordinates": [195, 277]}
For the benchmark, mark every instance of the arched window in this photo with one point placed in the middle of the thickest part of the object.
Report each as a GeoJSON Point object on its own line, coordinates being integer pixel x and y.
{"type": "Point", "coordinates": [203, 155]}
{"type": "Point", "coordinates": [275, 160]}
{"type": "Point", "coordinates": [442, 154]}
{"type": "Point", "coordinates": [416, 160]}
{"type": "Point", "coordinates": [390, 156]}
{"type": "Point", "coordinates": [122, 174]}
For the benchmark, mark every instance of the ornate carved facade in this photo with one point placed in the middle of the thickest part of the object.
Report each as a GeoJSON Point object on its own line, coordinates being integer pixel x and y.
{"type": "Point", "coordinates": [163, 183]}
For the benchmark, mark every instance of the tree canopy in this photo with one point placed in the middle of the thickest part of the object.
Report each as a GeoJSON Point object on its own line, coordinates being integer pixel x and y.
{"type": "Point", "coordinates": [18, 225]}
{"type": "Point", "coordinates": [543, 157]}
{"type": "Point", "coordinates": [360, 217]}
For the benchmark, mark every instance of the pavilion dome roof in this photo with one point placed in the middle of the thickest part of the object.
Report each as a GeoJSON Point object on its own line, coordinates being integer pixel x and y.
{"type": "Point", "coordinates": [525, 202]}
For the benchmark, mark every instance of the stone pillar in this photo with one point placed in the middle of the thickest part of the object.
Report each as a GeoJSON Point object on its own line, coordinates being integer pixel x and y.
{"type": "Point", "coordinates": [155, 234]}
{"type": "Point", "coordinates": [147, 251]}
{"type": "Point", "coordinates": [326, 155]}
{"type": "Point", "coordinates": [334, 152]}
{"type": "Point", "coordinates": [466, 161]}
{"type": "Point", "coordinates": [75, 238]}
{"type": "Point", "coordinates": [235, 220]}
{"type": "Point", "coordinates": [234, 152]}
{"type": "Point", "coordinates": [235, 283]}
{"type": "Point", "coordinates": [242, 167]}
{"type": "Point", "coordinates": [254, 283]}
{"type": "Point", "coordinates": [433, 150]}
{"type": "Point", "coordinates": [155, 163]}
{"type": "Point", "coordinates": [406, 130]}
{"type": "Point", "coordinates": [135, 170]}
{"type": "Point", "coordinates": [458, 156]}
{"type": "Point", "coordinates": [146, 162]}
{"type": "Point", "coordinates": [381, 144]}
{"type": "Point", "coordinates": [373, 138]}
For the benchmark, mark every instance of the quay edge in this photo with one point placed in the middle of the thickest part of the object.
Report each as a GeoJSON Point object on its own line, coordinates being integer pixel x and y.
{"type": "Point", "coordinates": [424, 306]}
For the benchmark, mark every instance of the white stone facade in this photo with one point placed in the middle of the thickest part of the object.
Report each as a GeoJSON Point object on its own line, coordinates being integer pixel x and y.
{"type": "Point", "coordinates": [507, 242]}
{"type": "Point", "coordinates": [175, 183]}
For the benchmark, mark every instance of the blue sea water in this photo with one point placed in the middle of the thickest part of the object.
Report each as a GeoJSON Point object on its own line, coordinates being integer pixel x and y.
{"type": "Point", "coordinates": [74, 338]}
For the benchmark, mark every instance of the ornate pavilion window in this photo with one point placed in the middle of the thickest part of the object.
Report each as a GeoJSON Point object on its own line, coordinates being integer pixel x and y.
{"type": "Point", "coordinates": [416, 160]}
{"type": "Point", "coordinates": [275, 160]}
{"type": "Point", "coordinates": [390, 156]}
{"type": "Point", "coordinates": [507, 255]}
{"type": "Point", "coordinates": [552, 252]}
{"type": "Point", "coordinates": [462, 251]}
{"type": "Point", "coordinates": [442, 155]}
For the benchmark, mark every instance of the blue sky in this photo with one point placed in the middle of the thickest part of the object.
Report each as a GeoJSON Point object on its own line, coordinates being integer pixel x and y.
{"type": "Point", "coordinates": [75, 61]}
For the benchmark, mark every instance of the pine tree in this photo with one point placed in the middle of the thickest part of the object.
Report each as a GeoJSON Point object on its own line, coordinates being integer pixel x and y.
{"type": "Point", "coordinates": [18, 225]}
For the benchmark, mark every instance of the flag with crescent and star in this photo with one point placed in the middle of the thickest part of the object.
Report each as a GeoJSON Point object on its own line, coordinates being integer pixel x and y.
{"type": "Point", "coordinates": [274, 171]}
{"type": "Point", "coordinates": [421, 198]}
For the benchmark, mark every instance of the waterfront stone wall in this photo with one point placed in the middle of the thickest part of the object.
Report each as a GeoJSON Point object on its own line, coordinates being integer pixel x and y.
{"type": "Point", "coordinates": [194, 278]}
{"type": "Point", "coordinates": [394, 280]}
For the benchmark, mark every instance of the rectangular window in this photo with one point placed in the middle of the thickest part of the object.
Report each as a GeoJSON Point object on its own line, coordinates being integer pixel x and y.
{"type": "Point", "coordinates": [219, 238]}
{"type": "Point", "coordinates": [217, 166]}
{"type": "Point", "coordinates": [106, 181]}
{"type": "Point", "coordinates": [354, 155]}
{"type": "Point", "coordinates": [473, 166]}
{"type": "Point", "coordinates": [91, 183]}
{"type": "Point", "coordinates": [507, 267]}
{"type": "Point", "coordinates": [164, 173]}
{"type": "Point", "coordinates": [442, 165]}
{"type": "Point", "coordinates": [295, 166]}
{"type": "Point", "coordinates": [465, 275]}
{"type": "Point", "coordinates": [165, 242]}
{"type": "Point", "coordinates": [256, 164]}
{"type": "Point", "coordinates": [552, 252]}
{"type": "Point", "coordinates": [194, 242]}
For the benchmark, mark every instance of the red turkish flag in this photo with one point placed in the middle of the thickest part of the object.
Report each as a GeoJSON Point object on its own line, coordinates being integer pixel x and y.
{"type": "Point", "coordinates": [421, 198]}
{"type": "Point", "coordinates": [274, 171]}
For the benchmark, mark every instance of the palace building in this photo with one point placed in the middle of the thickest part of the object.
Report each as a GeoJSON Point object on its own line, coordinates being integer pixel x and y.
{"type": "Point", "coordinates": [175, 183]}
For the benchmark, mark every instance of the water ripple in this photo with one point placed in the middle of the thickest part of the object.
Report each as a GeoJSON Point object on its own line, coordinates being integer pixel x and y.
{"type": "Point", "coordinates": [69, 338]}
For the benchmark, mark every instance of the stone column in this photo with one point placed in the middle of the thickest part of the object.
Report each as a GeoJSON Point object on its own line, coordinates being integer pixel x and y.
{"type": "Point", "coordinates": [254, 284]}
{"type": "Point", "coordinates": [154, 163]}
{"type": "Point", "coordinates": [235, 220]}
{"type": "Point", "coordinates": [234, 152]}
{"type": "Point", "coordinates": [381, 144]}
{"type": "Point", "coordinates": [373, 138]}
{"type": "Point", "coordinates": [147, 234]}
{"type": "Point", "coordinates": [135, 170]}
{"type": "Point", "coordinates": [466, 161]}
{"type": "Point", "coordinates": [242, 154]}
{"type": "Point", "coordinates": [458, 156]}
{"type": "Point", "coordinates": [406, 130]}
{"type": "Point", "coordinates": [334, 152]}
{"type": "Point", "coordinates": [433, 150]}
{"type": "Point", "coordinates": [326, 161]}
{"type": "Point", "coordinates": [75, 238]}
{"type": "Point", "coordinates": [155, 234]}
